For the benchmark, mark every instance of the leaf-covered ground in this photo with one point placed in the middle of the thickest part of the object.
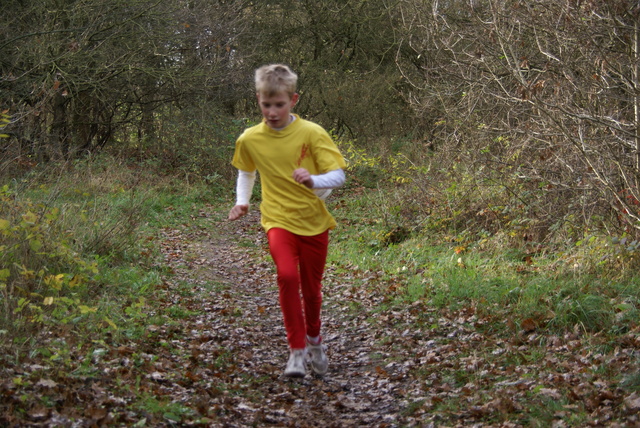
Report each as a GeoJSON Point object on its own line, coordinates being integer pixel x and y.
{"type": "Point", "coordinates": [215, 353]}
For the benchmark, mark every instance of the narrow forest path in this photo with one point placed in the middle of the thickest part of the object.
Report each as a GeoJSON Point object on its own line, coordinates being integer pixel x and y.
{"type": "Point", "coordinates": [238, 347]}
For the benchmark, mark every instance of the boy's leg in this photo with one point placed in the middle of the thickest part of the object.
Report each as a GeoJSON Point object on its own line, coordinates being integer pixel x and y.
{"type": "Point", "coordinates": [313, 256]}
{"type": "Point", "coordinates": [283, 246]}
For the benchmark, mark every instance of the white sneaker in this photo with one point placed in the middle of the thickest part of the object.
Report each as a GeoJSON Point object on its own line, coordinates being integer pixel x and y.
{"type": "Point", "coordinates": [295, 365]}
{"type": "Point", "coordinates": [319, 360]}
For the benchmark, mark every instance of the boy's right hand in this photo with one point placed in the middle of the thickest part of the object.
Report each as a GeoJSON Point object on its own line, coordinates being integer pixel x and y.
{"type": "Point", "coordinates": [238, 211]}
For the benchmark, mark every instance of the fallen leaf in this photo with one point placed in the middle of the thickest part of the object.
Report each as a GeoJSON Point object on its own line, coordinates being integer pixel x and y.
{"type": "Point", "coordinates": [552, 393]}
{"type": "Point", "coordinates": [632, 402]}
{"type": "Point", "coordinates": [47, 383]}
{"type": "Point", "coordinates": [529, 325]}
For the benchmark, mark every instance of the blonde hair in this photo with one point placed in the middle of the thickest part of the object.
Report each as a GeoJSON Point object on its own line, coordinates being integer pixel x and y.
{"type": "Point", "coordinates": [274, 78]}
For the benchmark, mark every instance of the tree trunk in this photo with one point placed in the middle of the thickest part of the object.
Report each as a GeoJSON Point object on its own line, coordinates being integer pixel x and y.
{"type": "Point", "coordinates": [59, 145]}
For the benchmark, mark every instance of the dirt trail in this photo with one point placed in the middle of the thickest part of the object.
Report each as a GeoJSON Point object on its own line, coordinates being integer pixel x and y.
{"type": "Point", "coordinates": [238, 346]}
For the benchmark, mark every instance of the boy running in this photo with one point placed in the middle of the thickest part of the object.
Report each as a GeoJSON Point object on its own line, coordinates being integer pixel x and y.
{"type": "Point", "coordinates": [298, 165]}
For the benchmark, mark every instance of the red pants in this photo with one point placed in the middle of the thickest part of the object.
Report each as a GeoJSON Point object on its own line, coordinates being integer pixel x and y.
{"type": "Point", "coordinates": [300, 264]}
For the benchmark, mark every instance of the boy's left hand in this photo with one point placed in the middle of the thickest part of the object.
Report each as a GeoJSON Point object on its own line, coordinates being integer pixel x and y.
{"type": "Point", "coordinates": [302, 176]}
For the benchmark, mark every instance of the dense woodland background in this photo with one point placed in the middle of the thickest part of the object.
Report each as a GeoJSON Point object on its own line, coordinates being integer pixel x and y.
{"type": "Point", "coordinates": [484, 267]}
{"type": "Point", "coordinates": [538, 98]}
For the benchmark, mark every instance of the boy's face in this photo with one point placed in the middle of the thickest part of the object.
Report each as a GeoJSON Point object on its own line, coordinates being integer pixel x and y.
{"type": "Point", "coordinates": [276, 109]}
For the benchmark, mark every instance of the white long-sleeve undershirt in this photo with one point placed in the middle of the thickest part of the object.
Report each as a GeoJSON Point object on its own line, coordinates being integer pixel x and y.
{"type": "Point", "coordinates": [329, 180]}
{"type": "Point", "coordinates": [322, 184]}
{"type": "Point", "coordinates": [244, 186]}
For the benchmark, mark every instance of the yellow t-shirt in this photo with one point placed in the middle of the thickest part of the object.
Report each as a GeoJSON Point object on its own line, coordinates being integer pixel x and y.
{"type": "Point", "coordinates": [276, 154]}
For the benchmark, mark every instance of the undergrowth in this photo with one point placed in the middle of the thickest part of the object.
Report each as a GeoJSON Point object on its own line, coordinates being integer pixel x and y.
{"type": "Point", "coordinates": [540, 290]}
{"type": "Point", "coordinates": [78, 246]}
{"type": "Point", "coordinates": [461, 242]}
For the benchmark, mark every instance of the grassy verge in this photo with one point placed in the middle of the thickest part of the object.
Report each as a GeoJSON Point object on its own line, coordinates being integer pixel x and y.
{"type": "Point", "coordinates": [588, 284]}
{"type": "Point", "coordinates": [80, 251]}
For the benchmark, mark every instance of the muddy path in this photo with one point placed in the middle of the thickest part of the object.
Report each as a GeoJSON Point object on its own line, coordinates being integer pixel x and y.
{"type": "Point", "coordinates": [238, 346]}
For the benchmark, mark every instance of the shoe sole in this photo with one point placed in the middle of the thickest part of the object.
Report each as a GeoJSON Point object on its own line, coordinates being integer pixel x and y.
{"type": "Point", "coordinates": [318, 372]}
{"type": "Point", "coordinates": [313, 366]}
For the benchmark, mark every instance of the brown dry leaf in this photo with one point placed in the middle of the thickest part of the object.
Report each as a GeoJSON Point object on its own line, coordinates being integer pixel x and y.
{"type": "Point", "coordinates": [529, 325]}
{"type": "Point", "coordinates": [127, 350]}
{"type": "Point", "coordinates": [47, 383]}
{"type": "Point", "coordinates": [39, 412]}
{"type": "Point", "coordinates": [97, 413]}
{"type": "Point", "coordinates": [632, 402]}
{"type": "Point", "coordinates": [381, 371]}
{"type": "Point", "coordinates": [157, 376]}
{"type": "Point", "coordinates": [551, 393]}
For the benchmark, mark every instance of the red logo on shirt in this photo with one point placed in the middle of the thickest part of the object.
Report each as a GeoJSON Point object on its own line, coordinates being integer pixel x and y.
{"type": "Point", "coordinates": [303, 154]}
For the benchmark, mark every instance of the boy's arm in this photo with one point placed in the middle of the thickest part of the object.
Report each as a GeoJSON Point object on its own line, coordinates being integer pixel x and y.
{"type": "Point", "coordinates": [244, 188]}
{"type": "Point", "coordinates": [329, 180]}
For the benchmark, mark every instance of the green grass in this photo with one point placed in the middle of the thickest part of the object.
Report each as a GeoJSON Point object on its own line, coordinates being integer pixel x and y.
{"type": "Point", "coordinates": [92, 259]}
{"type": "Point", "coordinates": [171, 412]}
{"type": "Point", "coordinates": [433, 268]}
{"type": "Point", "coordinates": [631, 382]}
{"type": "Point", "coordinates": [177, 312]}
